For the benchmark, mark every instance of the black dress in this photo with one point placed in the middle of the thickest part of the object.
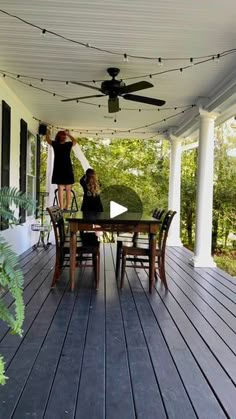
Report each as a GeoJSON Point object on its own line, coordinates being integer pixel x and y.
{"type": "Point", "coordinates": [90, 202]}
{"type": "Point", "coordinates": [62, 170]}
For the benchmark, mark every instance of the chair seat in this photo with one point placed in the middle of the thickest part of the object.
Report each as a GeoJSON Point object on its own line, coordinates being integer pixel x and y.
{"type": "Point", "coordinates": [142, 250]}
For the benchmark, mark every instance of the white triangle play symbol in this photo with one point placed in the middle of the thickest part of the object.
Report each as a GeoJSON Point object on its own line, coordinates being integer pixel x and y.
{"type": "Point", "coordinates": [116, 209]}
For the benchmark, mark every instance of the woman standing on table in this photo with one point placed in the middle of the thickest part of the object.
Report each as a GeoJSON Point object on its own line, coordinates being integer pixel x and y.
{"type": "Point", "coordinates": [63, 175]}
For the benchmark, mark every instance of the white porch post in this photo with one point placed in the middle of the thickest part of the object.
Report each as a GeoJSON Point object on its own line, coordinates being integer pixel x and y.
{"type": "Point", "coordinates": [203, 233]}
{"type": "Point", "coordinates": [174, 190]}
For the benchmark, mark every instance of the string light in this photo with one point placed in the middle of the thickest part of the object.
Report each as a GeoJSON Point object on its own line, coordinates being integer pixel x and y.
{"type": "Point", "coordinates": [160, 63]}
{"type": "Point", "coordinates": [126, 58]}
{"type": "Point", "coordinates": [181, 69]}
{"type": "Point", "coordinates": [89, 103]}
{"type": "Point", "coordinates": [135, 130]}
{"type": "Point", "coordinates": [88, 45]}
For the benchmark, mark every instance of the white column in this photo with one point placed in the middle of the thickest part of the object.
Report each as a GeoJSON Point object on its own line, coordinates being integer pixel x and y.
{"type": "Point", "coordinates": [203, 232]}
{"type": "Point", "coordinates": [174, 190]}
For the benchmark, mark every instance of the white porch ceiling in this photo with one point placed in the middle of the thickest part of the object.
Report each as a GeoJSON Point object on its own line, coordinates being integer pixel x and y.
{"type": "Point", "coordinates": [154, 28]}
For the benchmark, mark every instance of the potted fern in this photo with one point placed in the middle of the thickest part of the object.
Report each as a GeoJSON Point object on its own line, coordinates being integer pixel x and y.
{"type": "Point", "coordinates": [11, 277]}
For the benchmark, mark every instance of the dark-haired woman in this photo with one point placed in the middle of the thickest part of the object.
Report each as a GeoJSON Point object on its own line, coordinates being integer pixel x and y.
{"type": "Point", "coordinates": [62, 175]}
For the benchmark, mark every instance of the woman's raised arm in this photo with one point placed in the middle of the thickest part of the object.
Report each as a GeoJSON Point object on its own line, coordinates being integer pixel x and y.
{"type": "Point", "coordinates": [47, 137]}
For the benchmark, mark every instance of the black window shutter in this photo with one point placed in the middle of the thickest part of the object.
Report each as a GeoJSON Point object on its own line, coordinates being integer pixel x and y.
{"type": "Point", "coordinates": [23, 163]}
{"type": "Point", "coordinates": [5, 152]}
{"type": "Point", "coordinates": [38, 172]}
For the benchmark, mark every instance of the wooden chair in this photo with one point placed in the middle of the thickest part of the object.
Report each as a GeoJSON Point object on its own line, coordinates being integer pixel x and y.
{"type": "Point", "coordinates": [87, 247]}
{"type": "Point", "coordinates": [130, 239]}
{"type": "Point", "coordinates": [139, 253]}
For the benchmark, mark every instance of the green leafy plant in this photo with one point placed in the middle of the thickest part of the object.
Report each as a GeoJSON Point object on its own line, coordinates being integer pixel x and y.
{"type": "Point", "coordinates": [11, 277]}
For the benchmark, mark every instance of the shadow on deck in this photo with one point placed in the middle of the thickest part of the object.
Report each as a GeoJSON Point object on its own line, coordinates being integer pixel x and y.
{"type": "Point", "coordinates": [111, 355]}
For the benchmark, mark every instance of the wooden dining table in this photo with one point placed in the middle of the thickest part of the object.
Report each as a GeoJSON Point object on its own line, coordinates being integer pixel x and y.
{"type": "Point", "coordinates": [102, 221]}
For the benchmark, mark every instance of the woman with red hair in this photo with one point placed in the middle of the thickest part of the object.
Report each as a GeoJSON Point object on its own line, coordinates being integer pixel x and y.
{"type": "Point", "coordinates": [62, 175]}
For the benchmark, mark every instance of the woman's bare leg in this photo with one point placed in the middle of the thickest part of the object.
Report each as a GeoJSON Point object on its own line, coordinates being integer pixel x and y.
{"type": "Point", "coordinates": [68, 196]}
{"type": "Point", "coordinates": [60, 195]}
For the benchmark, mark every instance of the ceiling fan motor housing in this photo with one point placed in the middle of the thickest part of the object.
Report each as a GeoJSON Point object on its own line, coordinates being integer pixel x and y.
{"type": "Point", "coordinates": [111, 87]}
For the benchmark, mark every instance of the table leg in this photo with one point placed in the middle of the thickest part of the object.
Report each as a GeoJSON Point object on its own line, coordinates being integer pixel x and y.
{"type": "Point", "coordinates": [152, 247]}
{"type": "Point", "coordinates": [72, 259]}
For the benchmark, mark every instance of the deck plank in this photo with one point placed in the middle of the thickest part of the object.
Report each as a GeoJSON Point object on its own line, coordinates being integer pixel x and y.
{"type": "Point", "coordinates": [198, 290]}
{"type": "Point", "coordinates": [111, 354]}
{"type": "Point", "coordinates": [119, 397]}
{"type": "Point", "coordinates": [213, 371]}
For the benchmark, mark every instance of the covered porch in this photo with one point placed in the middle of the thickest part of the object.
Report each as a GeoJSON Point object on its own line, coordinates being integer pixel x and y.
{"type": "Point", "coordinates": [129, 354]}
{"type": "Point", "coordinates": [111, 354]}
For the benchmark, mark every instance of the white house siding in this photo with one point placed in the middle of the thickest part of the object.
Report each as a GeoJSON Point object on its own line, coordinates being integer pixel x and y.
{"type": "Point", "coordinates": [21, 237]}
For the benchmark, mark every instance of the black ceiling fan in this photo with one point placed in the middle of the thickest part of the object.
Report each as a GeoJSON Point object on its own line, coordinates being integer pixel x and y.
{"type": "Point", "coordinates": [114, 88]}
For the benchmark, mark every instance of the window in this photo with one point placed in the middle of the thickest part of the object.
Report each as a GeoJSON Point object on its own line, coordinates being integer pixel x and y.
{"type": "Point", "coordinates": [31, 167]}
{"type": "Point", "coordinates": [28, 157]}
{"type": "Point", "coordinates": [5, 152]}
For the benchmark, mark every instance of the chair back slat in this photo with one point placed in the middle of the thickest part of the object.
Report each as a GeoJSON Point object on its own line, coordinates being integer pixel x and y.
{"type": "Point", "coordinates": [58, 224]}
{"type": "Point", "coordinates": [158, 213]}
{"type": "Point", "coordinates": [165, 229]}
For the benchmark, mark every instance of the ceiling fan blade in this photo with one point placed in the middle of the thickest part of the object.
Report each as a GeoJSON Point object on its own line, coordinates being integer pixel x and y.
{"type": "Point", "coordinates": [86, 85]}
{"type": "Point", "coordinates": [113, 104]}
{"type": "Point", "coordinates": [135, 87]}
{"type": "Point", "coordinates": [80, 98]}
{"type": "Point", "coordinates": [143, 99]}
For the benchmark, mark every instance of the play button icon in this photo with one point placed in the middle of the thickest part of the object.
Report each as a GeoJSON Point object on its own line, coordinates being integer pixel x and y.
{"type": "Point", "coordinates": [120, 199]}
{"type": "Point", "coordinates": [116, 209]}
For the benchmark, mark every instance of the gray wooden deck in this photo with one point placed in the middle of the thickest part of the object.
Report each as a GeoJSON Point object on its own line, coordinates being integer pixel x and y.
{"type": "Point", "coordinates": [105, 354]}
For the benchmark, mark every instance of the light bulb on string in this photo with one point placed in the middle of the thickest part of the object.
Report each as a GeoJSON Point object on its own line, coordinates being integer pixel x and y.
{"type": "Point", "coordinates": [191, 62]}
{"type": "Point", "coordinates": [126, 58]}
{"type": "Point", "coordinates": [160, 63]}
{"type": "Point", "coordinates": [43, 33]}
{"type": "Point", "coordinates": [217, 58]}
